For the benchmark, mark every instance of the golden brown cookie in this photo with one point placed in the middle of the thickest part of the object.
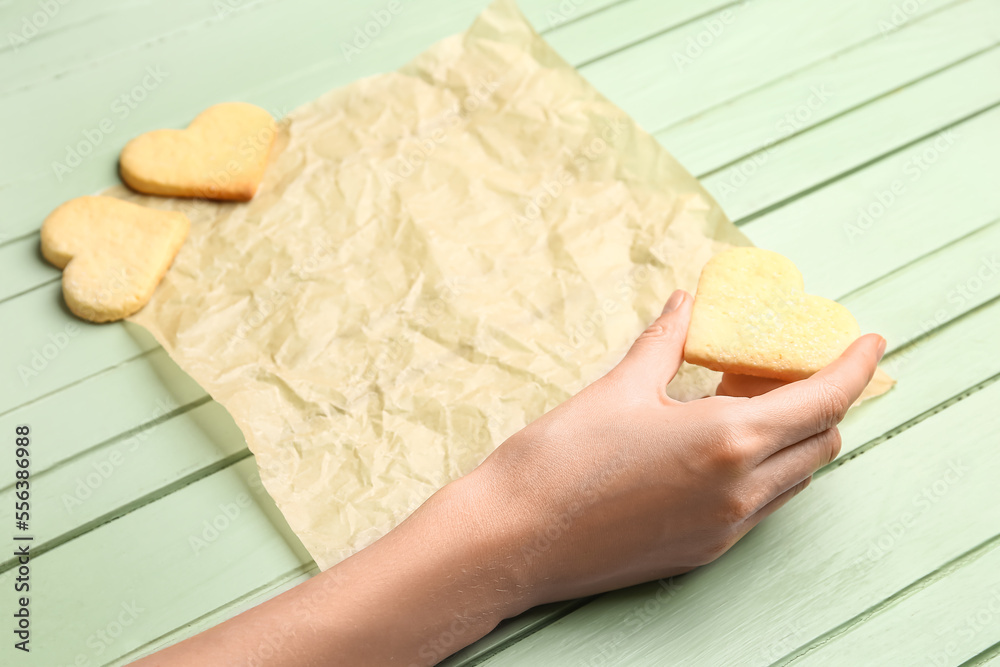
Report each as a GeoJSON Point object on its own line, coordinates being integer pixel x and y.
{"type": "Point", "coordinates": [752, 316]}
{"type": "Point", "coordinates": [113, 253]}
{"type": "Point", "coordinates": [221, 155]}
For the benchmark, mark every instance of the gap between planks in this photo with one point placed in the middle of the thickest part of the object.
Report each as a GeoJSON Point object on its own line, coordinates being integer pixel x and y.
{"type": "Point", "coordinates": [129, 507]}
{"type": "Point", "coordinates": [844, 112]}
{"type": "Point", "coordinates": [915, 20]}
{"type": "Point", "coordinates": [750, 217]}
{"type": "Point", "coordinates": [920, 584]}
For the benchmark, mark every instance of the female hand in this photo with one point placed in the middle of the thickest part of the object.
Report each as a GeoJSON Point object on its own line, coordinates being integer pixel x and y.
{"type": "Point", "coordinates": [622, 484]}
{"type": "Point", "coordinates": [618, 485]}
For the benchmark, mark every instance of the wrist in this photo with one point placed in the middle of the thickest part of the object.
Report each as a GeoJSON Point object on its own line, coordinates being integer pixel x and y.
{"type": "Point", "coordinates": [488, 534]}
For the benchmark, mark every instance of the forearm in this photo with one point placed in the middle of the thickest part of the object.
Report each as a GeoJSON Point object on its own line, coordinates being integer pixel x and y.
{"type": "Point", "coordinates": [433, 585]}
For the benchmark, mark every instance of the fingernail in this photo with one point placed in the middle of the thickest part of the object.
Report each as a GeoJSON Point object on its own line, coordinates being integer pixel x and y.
{"type": "Point", "coordinates": [674, 302]}
{"type": "Point", "coordinates": [881, 348]}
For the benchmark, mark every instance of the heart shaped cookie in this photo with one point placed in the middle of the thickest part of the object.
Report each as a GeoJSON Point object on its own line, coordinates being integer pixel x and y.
{"type": "Point", "coordinates": [752, 316]}
{"type": "Point", "coordinates": [113, 253]}
{"type": "Point", "coordinates": [221, 155]}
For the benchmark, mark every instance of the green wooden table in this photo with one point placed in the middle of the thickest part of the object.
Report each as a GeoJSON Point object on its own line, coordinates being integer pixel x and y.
{"type": "Point", "coordinates": [858, 137]}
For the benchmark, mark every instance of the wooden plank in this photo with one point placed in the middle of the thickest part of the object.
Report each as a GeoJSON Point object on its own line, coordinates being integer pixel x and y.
{"type": "Point", "coordinates": [167, 83]}
{"type": "Point", "coordinates": [285, 574]}
{"type": "Point", "coordinates": [723, 614]}
{"type": "Point", "coordinates": [143, 392]}
{"type": "Point", "coordinates": [946, 619]}
{"type": "Point", "coordinates": [854, 139]}
{"type": "Point", "coordinates": [184, 85]}
{"type": "Point", "coordinates": [109, 481]}
{"type": "Point", "coordinates": [627, 24]}
{"type": "Point", "coordinates": [876, 220]}
{"type": "Point", "coordinates": [227, 611]}
{"type": "Point", "coordinates": [46, 347]}
{"type": "Point", "coordinates": [150, 563]}
{"type": "Point", "coordinates": [74, 35]}
{"type": "Point", "coordinates": [988, 658]}
{"type": "Point", "coordinates": [748, 186]}
{"type": "Point", "coordinates": [932, 290]}
{"type": "Point", "coordinates": [879, 67]}
{"type": "Point", "coordinates": [22, 267]}
{"type": "Point", "coordinates": [930, 371]}
{"type": "Point", "coordinates": [684, 72]}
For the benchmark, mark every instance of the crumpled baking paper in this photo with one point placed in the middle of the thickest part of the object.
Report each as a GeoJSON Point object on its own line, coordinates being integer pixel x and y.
{"type": "Point", "coordinates": [436, 257]}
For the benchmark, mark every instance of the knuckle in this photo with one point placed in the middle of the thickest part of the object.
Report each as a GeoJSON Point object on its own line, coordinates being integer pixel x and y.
{"type": "Point", "coordinates": [834, 442]}
{"type": "Point", "coordinates": [654, 330]}
{"type": "Point", "coordinates": [715, 549]}
{"type": "Point", "coordinates": [735, 443]}
{"type": "Point", "coordinates": [738, 506]}
{"type": "Point", "coordinates": [732, 452]}
{"type": "Point", "coordinates": [834, 402]}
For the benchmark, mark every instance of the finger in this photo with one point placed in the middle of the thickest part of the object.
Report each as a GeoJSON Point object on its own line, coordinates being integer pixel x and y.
{"type": "Point", "coordinates": [798, 410]}
{"type": "Point", "coordinates": [656, 355]}
{"type": "Point", "coordinates": [789, 466]}
{"type": "Point", "coordinates": [746, 386]}
{"type": "Point", "coordinates": [769, 509]}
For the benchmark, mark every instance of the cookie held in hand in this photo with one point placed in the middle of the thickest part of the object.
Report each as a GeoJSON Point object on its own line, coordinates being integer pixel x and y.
{"type": "Point", "coordinates": [752, 316]}
{"type": "Point", "coordinates": [113, 253]}
{"type": "Point", "coordinates": [221, 155]}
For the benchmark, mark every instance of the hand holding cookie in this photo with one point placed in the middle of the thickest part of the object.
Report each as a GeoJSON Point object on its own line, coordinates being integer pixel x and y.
{"type": "Point", "coordinates": [752, 317]}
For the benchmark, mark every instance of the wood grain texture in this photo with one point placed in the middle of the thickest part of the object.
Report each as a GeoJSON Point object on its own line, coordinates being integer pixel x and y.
{"type": "Point", "coordinates": [947, 618]}
{"type": "Point", "coordinates": [875, 69]}
{"type": "Point", "coordinates": [921, 272]}
{"type": "Point", "coordinates": [176, 569]}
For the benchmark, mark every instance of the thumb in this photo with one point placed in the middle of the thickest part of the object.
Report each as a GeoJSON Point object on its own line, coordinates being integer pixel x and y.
{"type": "Point", "coordinates": [656, 355]}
